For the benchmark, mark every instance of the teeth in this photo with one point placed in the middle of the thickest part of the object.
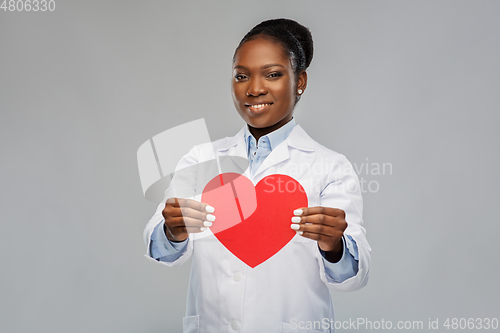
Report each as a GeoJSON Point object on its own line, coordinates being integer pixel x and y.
{"type": "Point", "coordinates": [259, 106]}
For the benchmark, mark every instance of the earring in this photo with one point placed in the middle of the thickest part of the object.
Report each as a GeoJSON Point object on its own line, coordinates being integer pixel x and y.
{"type": "Point", "coordinates": [299, 91]}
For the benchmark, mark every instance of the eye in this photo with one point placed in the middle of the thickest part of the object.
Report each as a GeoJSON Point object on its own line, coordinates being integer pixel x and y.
{"type": "Point", "coordinates": [240, 77]}
{"type": "Point", "coordinates": [274, 75]}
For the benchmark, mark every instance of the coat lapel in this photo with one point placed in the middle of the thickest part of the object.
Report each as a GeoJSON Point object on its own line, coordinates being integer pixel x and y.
{"type": "Point", "coordinates": [298, 140]}
{"type": "Point", "coordinates": [278, 155]}
{"type": "Point", "coordinates": [233, 156]}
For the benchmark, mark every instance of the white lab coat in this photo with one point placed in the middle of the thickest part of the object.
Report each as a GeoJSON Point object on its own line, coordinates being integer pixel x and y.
{"type": "Point", "coordinates": [226, 295]}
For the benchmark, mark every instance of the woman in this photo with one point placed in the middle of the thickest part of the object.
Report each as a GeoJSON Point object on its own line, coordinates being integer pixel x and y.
{"type": "Point", "coordinates": [234, 285]}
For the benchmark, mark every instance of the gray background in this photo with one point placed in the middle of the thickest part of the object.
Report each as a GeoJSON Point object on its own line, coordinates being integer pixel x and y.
{"type": "Point", "coordinates": [411, 83]}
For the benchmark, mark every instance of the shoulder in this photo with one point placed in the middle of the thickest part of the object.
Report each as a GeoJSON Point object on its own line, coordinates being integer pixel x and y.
{"type": "Point", "coordinates": [225, 143]}
{"type": "Point", "coordinates": [207, 150]}
{"type": "Point", "coordinates": [299, 139]}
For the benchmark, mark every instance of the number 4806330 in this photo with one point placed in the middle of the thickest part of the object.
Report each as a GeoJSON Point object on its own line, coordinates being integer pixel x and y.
{"type": "Point", "coordinates": [28, 5]}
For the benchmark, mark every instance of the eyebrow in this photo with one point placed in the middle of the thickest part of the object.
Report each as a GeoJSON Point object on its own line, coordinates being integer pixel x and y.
{"type": "Point", "coordinates": [263, 67]}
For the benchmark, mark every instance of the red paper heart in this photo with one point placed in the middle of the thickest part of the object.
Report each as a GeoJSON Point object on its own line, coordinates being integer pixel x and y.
{"type": "Point", "coordinates": [253, 223]}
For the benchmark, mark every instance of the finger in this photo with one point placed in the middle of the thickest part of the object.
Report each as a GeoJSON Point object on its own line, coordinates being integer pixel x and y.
{"type": "Point", "coordinates": [188, 225]}
{"type": "Point", "coordinates": [177, 207]}
{"type": "Point", "coordinates": [196, 205]}
{"type": "Point", "coordinates": [322, 238]}
{"type": "Point", "coordinates": [194, 230]}
{"type": "Point", "coordinates": [183, 211]}
{"type": "Point", "coordinates": [190, 222]}
{"type": "Point", "coordinates": [177, 222]}
{"type": "Point", "coordinates": [314, 219]}
{"type": "Point", "coordinates": [196, 214]}
{"type": "Point", "coordinates": [317, 229]}
{"type": "Point", "coordinates": [314, 236]}
{"type": "Point", "coordinates": [194, 225]}
{"type": "Point", "coordinates": [321, 219]}
{"type": "Point", "coordinates": [304, 211]}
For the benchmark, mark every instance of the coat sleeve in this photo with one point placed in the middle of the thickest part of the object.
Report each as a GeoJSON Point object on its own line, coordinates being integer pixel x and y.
{"type": "Point", "coordinates": [342, 190]}
{"type": "Point", "coordinates": [183, 185]}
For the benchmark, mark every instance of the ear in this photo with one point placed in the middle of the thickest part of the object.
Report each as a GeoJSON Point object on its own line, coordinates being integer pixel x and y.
{"type": "Point", "coordinates": [302, 82]}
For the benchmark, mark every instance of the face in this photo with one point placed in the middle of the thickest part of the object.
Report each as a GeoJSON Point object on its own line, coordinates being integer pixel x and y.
{"type": "Point", "coordinates": [264, 86]}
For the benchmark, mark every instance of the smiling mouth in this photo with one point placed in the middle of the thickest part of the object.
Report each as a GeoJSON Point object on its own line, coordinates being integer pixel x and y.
{"type": "Point", "coordinates": [258, 107]}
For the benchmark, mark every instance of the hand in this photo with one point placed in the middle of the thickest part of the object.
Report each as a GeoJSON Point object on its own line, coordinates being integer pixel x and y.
{"type": "Point", "coordinates": [323, 224]}
{"type": "Point", "coordinates": [184, 216]}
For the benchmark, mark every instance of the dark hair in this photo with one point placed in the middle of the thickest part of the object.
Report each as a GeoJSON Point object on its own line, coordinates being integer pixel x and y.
{"type": "Point", "coordinates": [295, 39]}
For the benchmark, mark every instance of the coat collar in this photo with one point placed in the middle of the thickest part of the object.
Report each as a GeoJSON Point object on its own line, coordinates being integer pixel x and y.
{"type": "Point", "coordinates": [297, 139]}
{"type": "Point", "coordinates": [236, 147]}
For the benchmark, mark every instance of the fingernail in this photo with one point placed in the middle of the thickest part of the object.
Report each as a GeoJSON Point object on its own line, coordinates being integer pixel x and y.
{"type": "Point", "coordinates": [295, 226]}
{"type": "Point", "coordinates": [207, 224]}
{"type": "Point", "coordinates": [210, 209]}
{"type": "Point", "coordinates": [203, 229]}
{"type": "Point", "coordinates": [295, 219]}
{"type": "Point", "coordinates": [300, 232]}
{"type": "Point", "coordinates": [210, 217]}
{"type": "Point", "coordinates": [298, 212]}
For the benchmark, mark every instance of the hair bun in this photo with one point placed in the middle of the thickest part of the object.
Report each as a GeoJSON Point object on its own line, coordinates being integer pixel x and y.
{"type": "Point", "coordinates": [300, 32]}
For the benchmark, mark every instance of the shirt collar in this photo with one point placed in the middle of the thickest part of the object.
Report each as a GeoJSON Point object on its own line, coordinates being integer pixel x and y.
{"type": "Point", "coordinates": [275, 137]}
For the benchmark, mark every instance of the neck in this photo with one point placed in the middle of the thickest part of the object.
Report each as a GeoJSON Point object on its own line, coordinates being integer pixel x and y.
{"type": "Point", "coordinates": [260, 132]}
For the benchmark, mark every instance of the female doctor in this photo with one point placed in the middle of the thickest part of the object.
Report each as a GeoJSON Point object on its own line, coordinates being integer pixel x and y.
{"type": "Point", "coordinates": [288, 292]}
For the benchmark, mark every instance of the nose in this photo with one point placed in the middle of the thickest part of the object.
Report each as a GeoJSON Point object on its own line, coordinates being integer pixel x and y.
{"type": "Point", "coordinates": [256, 88]}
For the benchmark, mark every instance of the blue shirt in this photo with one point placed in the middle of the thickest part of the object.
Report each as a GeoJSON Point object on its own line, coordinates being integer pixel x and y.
{"type": "Point", "coordinates": [258, 151]}
{"type": "Point", "coordinates": [163, 249]}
